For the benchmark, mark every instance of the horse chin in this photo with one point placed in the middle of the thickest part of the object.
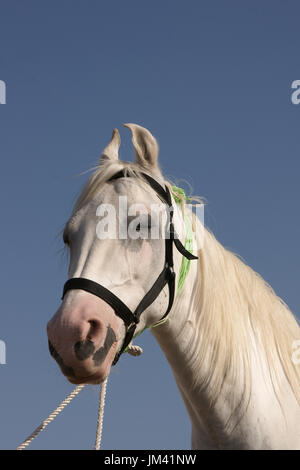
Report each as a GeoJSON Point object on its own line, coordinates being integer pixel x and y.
{"type": "Point", "coordinates": [94, 379]}
{"type": "Point", "coordinates": [91, 374]}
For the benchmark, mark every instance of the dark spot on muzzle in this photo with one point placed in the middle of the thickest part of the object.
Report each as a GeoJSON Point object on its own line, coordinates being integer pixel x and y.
{"type": "Point", "coordinates": [101, 354]}
{"type": "Point", "coordinates": [66, 370]}
{"type": "Point", "coordinates": [84, 349]}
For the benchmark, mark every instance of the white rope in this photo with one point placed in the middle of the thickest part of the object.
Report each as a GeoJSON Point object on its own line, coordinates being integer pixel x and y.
{"type": "Point", "coordinates": [100, 415]}
{"type": "Point", "coordinates": [134, 351]}
{"type": "Point", "coordinates": [51, 417]}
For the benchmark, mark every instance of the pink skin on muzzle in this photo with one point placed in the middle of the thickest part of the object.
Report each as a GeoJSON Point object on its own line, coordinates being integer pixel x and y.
{"type": "Point", "coordinates": [83, 337]}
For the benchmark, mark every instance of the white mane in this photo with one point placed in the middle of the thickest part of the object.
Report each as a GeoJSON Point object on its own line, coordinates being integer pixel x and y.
{"type": "Point", "coordinates": [237, 309]}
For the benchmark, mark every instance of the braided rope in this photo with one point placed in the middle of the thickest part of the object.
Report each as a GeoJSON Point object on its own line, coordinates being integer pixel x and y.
{"type": "Point", "coordinates": [51, 417]}
{"type": "Point", "coordinates": [134, 351]}
{"type": "Point", "coordinates": [100, 415]}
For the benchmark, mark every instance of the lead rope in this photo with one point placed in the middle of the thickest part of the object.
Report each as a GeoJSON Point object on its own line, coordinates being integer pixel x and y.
{"type": "Point", "coordinates": [133, 351]}
{"type": "Point", "coordinates": [100, 415]}
{"type": "Point", "coordinates": [51, 417]}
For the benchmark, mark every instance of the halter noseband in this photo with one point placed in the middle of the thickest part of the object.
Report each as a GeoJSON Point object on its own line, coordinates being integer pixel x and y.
{"type": "Point", "coordinates": [167, 275]}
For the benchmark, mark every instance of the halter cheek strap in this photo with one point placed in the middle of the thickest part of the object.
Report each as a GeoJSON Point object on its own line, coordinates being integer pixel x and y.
{"type": "Point", "coordinates": [166, 277]}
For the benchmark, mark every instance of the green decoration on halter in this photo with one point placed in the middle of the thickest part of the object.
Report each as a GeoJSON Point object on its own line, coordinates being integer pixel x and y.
{"type": "Point", "coordinates": [179, 197]}
{"type": "Point", "coordinates": [178, 194]}
{"type": "Point", "coordinates": [185, 263]}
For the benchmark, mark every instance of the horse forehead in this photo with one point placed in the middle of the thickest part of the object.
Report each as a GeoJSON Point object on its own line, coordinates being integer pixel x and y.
{"type": "Point", "coordinates": [131, 189]}
{"type": "Point", "coordinates": [135, 190]}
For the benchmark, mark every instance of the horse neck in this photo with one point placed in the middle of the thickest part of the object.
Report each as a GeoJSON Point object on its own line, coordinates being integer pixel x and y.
{"type": "Point", "coordinates": [210, 346]}
{"type": "Point", "coordinates": [184, 337]}
{"type": "Point", "coordinates": [180, 340]}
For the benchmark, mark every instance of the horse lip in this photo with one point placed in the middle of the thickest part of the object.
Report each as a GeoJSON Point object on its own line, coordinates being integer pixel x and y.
{"type": "Point", "coordinates": [93, 379]}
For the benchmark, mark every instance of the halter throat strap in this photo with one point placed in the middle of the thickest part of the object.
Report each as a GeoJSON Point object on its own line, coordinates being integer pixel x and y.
{"type": "Point", "coordinates": [166, 277]}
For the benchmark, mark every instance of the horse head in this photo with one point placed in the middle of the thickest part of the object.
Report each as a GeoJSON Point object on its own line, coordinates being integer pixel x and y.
{"type": "Point", "coordinates": [120, 280]}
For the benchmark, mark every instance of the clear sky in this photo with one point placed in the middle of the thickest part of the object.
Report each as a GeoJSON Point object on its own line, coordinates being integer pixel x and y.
{"type": "Point", "coordinates": [212, 81]}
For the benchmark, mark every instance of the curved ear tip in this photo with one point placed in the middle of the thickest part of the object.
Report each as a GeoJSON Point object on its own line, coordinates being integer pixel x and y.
{"type": "Point", "coordinates": [116, 136]}
{"type": "Point", "coordinates": [115, 132]}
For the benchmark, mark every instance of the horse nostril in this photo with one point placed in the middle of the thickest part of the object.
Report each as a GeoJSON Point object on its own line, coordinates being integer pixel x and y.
{"type": "Point", "coordinates": [95, 328]}
{"type": "Point", "coordinates": [84, 349]}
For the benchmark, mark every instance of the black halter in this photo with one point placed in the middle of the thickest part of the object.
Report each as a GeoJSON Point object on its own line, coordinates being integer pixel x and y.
{"type": "Point", "coordinates": [167, 276]}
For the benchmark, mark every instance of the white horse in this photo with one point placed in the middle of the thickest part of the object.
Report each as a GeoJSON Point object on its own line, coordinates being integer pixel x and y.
{"type": "Point", "coordinates": [228, 338]}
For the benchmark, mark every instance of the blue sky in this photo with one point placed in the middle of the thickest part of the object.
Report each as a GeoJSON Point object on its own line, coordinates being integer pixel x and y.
{"type": "Point", "coordinates": [212, 81]}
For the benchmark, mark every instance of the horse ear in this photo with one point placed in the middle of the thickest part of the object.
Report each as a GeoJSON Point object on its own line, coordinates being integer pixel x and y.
{"type": "Point", "coordinates": [145, 146]}
{"type": "Point", "coordinates": [111, 151]}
